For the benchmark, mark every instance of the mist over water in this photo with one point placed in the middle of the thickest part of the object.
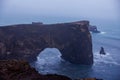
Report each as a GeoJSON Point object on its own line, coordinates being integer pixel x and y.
{"type": "Point", "coordinates": [56, 11]}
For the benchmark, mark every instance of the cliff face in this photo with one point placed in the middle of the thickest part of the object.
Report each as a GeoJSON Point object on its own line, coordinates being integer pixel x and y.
{"type": "Point", "coordinates": [26, 41]}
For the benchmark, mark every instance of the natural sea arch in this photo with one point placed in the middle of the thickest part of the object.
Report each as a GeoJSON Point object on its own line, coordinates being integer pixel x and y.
{"type": "Point", "coordinates": [25, 41]}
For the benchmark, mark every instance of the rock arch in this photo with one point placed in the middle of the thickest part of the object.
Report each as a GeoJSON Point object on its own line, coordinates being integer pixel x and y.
{"type": "Point", "coordinates": [25, 41]}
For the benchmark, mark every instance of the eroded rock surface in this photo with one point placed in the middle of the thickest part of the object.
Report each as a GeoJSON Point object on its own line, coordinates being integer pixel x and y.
{"type": "Point", "coordinates": [26, 41]}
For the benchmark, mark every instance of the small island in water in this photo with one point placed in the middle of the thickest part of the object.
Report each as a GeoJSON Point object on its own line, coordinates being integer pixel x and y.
{"type": "Point", "coordinates": [93, 29]}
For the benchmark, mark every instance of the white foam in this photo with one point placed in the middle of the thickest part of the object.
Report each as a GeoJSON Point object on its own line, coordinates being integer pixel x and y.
{"type": "Point", "coordinates": [106, 59]}
{"type": "Point", "coordinates": [102, 32]}
{"type": "Point", "coordinates": [47, 60]}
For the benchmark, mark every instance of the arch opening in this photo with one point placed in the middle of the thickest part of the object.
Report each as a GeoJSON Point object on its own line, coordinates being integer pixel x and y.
{"type": "Point", "coordinates": [47, 59]}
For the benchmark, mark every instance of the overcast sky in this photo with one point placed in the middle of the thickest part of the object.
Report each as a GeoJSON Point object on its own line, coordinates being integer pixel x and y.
{"type": "Point", "coordinates": [99, 9]}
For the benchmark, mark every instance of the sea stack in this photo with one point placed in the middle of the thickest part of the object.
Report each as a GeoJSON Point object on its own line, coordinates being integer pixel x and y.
{"type": "Point", "coordinates": [26, 41]}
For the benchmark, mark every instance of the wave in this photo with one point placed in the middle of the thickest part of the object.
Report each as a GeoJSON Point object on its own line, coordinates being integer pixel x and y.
{"type": "Point", "coordinates": [106, 59]}
{"type": "Point", "coordinates": [49, 56]}
{"type": "Point", "coordinates": [102, 32]}
{"type": "Point", "coordinates": [111, 36]}
{"type": "Point", "coordinates": [48, 60]}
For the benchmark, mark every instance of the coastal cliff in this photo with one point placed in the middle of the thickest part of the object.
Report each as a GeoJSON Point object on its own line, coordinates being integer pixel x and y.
{"type": "Point", "coordinates": [26, 41]}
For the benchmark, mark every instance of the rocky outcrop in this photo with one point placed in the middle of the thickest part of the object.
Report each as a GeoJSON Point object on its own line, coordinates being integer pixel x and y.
{"type": "Point", "coordinates": [90, 27]}
{"type": "Point", "coordinates": [21, 70]}
{"type": "Point", "coordinates": [26, 41]}
{"type": "Point", "coordinates": [93, 29]}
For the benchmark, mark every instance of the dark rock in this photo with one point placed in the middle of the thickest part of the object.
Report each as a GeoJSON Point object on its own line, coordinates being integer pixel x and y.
{"type": "Point", "coordinates": [37, 23]}
{"type": "Point", "coordinates": [26, 41]}
{"type": "Point", "coordinates": [93, 29]}
{"type": "Point", "coordinates": [102, 51]}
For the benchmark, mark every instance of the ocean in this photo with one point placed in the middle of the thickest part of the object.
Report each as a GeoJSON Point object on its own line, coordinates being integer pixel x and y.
{"type": "Point", "coordinates": [106, 66]}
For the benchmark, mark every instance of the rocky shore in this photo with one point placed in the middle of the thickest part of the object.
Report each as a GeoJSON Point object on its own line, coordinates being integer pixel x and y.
{"type": "Point", "coordinates": [21, 70]}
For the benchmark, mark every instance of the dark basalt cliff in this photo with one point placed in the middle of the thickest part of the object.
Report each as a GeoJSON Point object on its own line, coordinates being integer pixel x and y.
{"type": "Point", "coordinates": [26, 41]}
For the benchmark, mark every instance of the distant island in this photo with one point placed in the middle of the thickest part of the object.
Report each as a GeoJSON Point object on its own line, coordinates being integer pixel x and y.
{"type": "Point", "coordinates": [93, 29]}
